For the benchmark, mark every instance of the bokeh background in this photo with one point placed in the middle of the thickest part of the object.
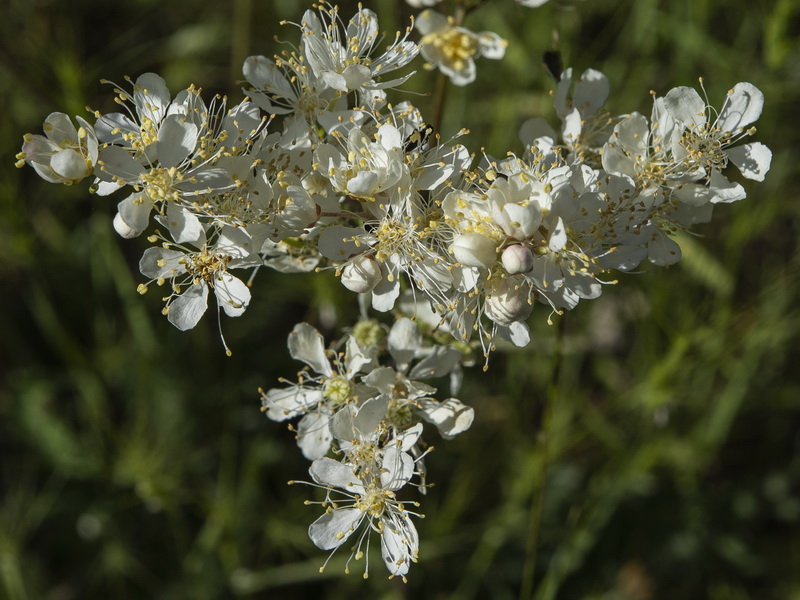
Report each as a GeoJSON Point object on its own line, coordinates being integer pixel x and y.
{"type": "Point", "coordinates": [646, 446]}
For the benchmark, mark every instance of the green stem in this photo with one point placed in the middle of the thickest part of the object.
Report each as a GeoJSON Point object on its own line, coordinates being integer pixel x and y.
{"type": "Point", "coordinates": [438, 99]}
{"type": "Point", "coordinates": [537, 496]}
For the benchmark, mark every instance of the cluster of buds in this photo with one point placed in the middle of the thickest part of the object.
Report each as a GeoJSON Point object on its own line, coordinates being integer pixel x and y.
{"type": "Point", "coordinates": [316, 170]}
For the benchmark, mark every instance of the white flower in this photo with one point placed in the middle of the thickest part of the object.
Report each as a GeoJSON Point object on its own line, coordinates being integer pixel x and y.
{"type": "Point", "coordinates": [705, 142]}
{"type": "Point", "coordinates": [320, 394]}
{"type": "Point", "coordinates": [65, 154]}
{"type": "Point", "coordinates": [453, 49]}
{"type": "Point", "coordinates": [367, 503]}
{"type": "Point", "coordinates": [342, 56]}
{"type": "Point", "coordinates": [192, 274]}
{"type": "Point", "coordinates": [365, 169]}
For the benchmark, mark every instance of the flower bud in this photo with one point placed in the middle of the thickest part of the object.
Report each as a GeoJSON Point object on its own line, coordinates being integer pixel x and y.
{"type": "Point", "coordinates": [361, 274]}
{"type": "Point", "coordinates": [474, 250]}
{"type": "Point", "coordinates": [517, 259]}
{"type": "Point", "coordinates": [508, 301]}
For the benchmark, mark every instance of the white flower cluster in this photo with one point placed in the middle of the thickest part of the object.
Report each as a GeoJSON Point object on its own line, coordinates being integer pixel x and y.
{"type": "Point", "coordinates": [371, 415]}
{"type": "Point", "coordinates": [317, 170]}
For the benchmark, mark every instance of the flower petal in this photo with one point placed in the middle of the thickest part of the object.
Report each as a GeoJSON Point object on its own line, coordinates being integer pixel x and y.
{"type": "Point", "coordinates": [332, 529]}
{"type": "Point", "coordinates": [753, 160]}
{"type": "Point", "coordinates": [306, 345]}
{"type": "Point", "coordinates": [742, 107]}
{"type": "Point", "coordinates": [188, 308]}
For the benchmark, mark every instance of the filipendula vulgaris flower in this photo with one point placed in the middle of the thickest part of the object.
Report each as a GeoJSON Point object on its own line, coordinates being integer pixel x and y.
{"type": "Point", "coordinates": [453, 49]}
{"type": "Point", "coordinates": [168, 150]}
{"type": "Point", "coordinates": [65, 154]}
{"type": "Point", "coordinates": [707, 143]}
{"type": "Point", "coordinates": [341, 55]}
{"type": "Point", "coordinates": [361, 499]}
{"type": "Point", "coordinates": [193, 273]}
{"type": "Point", "coordinates": [319, 394]}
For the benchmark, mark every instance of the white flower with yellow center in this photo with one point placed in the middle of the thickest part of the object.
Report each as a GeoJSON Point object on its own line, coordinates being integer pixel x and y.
{"type": "Point", "coordinates": [192, 274]}
{"type": "Point", "coordinates": [708, 143]}
{"type": "Point", "coordinates": [453, 49]}
{"type": "Point", "coordinates": [366, 502]}
{"type": "Point", "coordinates": [65, 154]}
{"type": "Point", "coordinates": [368, 168]}
{"type": "Point", "coordinates": [341, 56]}
{"type": "Point", "coordinates": [321, 393]}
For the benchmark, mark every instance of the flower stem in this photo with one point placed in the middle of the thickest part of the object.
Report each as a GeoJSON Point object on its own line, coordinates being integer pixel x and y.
{"type": "Point", "coordinates": [542, 448]}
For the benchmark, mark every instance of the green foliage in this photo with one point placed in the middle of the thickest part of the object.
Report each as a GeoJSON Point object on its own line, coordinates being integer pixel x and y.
{"type": "Point", "coordinates": [643, 447]}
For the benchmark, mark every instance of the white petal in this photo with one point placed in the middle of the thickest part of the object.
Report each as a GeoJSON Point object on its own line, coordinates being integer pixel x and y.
{"type": "Point", "coordinates": [591, 91]}
{"type": "Point", "coordinates": [267, 77]}
{"type": "Point", "coordinates": [686, 106]}
{"type": "Point", "coordinates": [474, 250]}
{"type": "Point", "coordinates": [404, 340]}
{"type": "Point", "coordinates": [438, 363]}
{"type": "Point", "coordinates": [723, 190]}
{"type": "Point", "coordinates": [399, 544]}
{"type": "Point", "coordinates": [331, 530]}
{"type": "Point", "coordinates": [332, 242]}
{"type": "Point", "coordinates": [177, 138]}
{"type": "Point", "coordinates": [518, 333]}
{"type": "Point", "coordinates": [70, 165]}
{"type": "Point", "coordinates": [492, 45]}
{"type": "Point", "coordinates": [753, 160]}
{"type": "Point", "coordinates": [116, 162]}
{"type": "Point", "coordinates": [233, 295]}
{"type": "Point", "coordinates": [662, 249]}
{"type": "Point", "coordinates": [134, 212]}
{"type": "Point", "coordinates": [533, 129]}
{"type": "Point", "coordinates": [314, 436]}
{"type": "Point", "coordinates": [573, 124]}
{"type": "Point", "coordinates": [429, 21]}
{"type": "Point", "coordinates": [386, 293]}
{"type": "Point", "coordinates": [558, 237]}
{"type": "Point", "coordinates": [151, 96]}
{"type": "Point", "coordinates": [365, 183]}
{"type": "Point", "coordinates": [59, 128]}
{"type": "Point", "coordinates": [169, 263]}
{"type": "Point", "coordinates": [389, 137]}
{"type": "Point", "coordinates": [327, 471]}
{"type": "Point", "coordinates": [451, 417]}
{"type": "Point", "coordinates": [285, 403]}
{"type": "Point", "coordinates": [184, 226]}
{"type": "Point", "coordinates": [187, 309]}
{"type": "Point", "coordinates": [742, 107]}
{"type": "Point", "coordinates": [306, 345]}
{"type": "Point", "coordinates": [396, 469]}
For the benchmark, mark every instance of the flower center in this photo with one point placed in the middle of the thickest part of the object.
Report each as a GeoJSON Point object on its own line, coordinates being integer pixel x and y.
{"type": "Point", "coordinates": [204, 265]}
{"type": "Point", "coordinates": [159, 183]}
{"type": "Point", "coordinates": [337, 390]}
{"type": "Point", "coordinates": [456, 46]}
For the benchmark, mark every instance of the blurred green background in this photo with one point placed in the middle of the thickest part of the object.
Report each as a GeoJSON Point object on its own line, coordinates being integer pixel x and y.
{"type": "Point", "coordinates": [647, 446]}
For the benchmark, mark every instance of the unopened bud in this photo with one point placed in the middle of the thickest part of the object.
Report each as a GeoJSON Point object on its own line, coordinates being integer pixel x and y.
{"type": "Point", "coordinates": [517, 259]}
{"type": "Point", "coordinates": [508, 301]}
{"type": "Point", "coordinates": [361, 274]}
